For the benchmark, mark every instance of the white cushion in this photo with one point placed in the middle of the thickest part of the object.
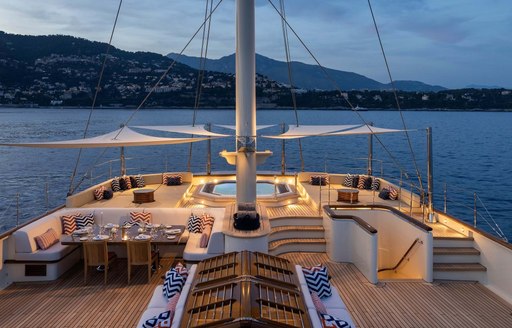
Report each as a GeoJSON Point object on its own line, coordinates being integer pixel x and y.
{"type": "Point", "coordinates": [150, 313]}
{"type": "Point", "coordinates": [158, 299]}
{"type": "Point", "coordinates": [54, 253]}
{"type": "Point", "coordinates": [342, 314]}
{"type": "Point", "coordinates": [334, 301]}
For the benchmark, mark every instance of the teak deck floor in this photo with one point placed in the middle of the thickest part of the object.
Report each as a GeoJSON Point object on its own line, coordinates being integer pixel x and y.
{"type": "Point", "coordinates": [67, 302]}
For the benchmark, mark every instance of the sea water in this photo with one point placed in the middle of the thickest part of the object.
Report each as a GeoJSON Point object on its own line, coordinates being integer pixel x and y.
{"type": "Point", "coordinates": [472, 154]}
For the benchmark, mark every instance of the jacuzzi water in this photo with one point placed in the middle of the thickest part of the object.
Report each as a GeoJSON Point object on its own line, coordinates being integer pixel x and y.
{"type": "Point", "coordinates": [263, 188]}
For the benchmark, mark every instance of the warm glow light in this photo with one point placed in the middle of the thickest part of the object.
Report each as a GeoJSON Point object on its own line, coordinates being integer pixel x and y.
{"type": "Point", "coordinates": [202, 181]}
{"type": "Point", "coordinates": [215, 181]}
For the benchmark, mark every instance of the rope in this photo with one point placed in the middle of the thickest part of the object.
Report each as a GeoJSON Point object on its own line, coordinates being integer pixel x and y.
{"type": "Point", "coordinates": [418, 174]}
{"type": "Point", "coordinates": [200, 74]}
{"type": "Point", "coordinates": [290, 78]}
{"type": "Point", "coordinates": [97, 90]}
{"type": "Point", "coordinates": [335, 84]}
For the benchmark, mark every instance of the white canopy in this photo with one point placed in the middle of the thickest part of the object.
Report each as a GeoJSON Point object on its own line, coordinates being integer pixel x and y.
{"type": "Point", "coordinates": [311, 130]}
{"type": "Point", "coordinates": [118, 138]}
{"type": "Point", "coordinates": [233, 127]}
{"type": "Point", "coordinates": [365, 129]}
{"type": "Point", "coordinates": [188, 129]}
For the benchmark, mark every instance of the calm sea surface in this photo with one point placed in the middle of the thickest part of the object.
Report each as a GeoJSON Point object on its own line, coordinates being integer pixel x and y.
{"type": "Point", "coordinates": [472, 154]}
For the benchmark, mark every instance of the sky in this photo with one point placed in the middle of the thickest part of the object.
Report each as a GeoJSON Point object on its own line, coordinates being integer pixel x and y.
{"type": "Point", "coordinates": [452, 43]}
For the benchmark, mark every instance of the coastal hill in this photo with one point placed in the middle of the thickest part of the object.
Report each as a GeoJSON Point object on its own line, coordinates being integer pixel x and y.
{"type": "Point", "coordinates": [305, 76]}
{"type": "Point", "coordinates": [59, 70]}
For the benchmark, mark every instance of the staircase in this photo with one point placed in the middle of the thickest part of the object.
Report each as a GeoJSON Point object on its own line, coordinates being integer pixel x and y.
{"type": "Point", "coordinates": [457, 259]}
{"type": "Point", "coordinates": [296, 234]}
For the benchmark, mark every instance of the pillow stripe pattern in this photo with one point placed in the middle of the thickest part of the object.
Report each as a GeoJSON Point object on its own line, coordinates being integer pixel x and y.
{"type": "Point", "coordinates": [128, 182]}
{"type": "Point", "coordinates": [331, 321]}
{"type": "Point", "coordinates": [174, 180]}
{"type": "Point", "coordinates": [47, 239]}
{"type": "Point", "coordinates": [194, 224]}
{"type": "Point", "coordinates": [206, 220]}
{"type": "Point", "coordinates": [375, 184]}
{"type": "Point", "coordinates": [361, 183]}
{"type": "Point", "coordinates": [318, 280]}
{"type": "Point", "coordinates": [69, 223]}
{"type": "Point", "coordinates": [182, 270]}
{"type": "Point", "coordinates": [165, 178]}
{"type": "Point", "coordinates": [140, 217]}
{"type": "Point", "coordinates": [115, 184]}
{"type": "Point", "coordinates": [318, 180]}
{"type": "Point", "coordinates": [98, 193]}
{"type": "Point", "coordinates": [393, 193]}
{"type": "Point", "coordinates": [83, 221]}
{"type": "Point", "coordinates": [140, 181]}
{"type": "Point", "coordinates": [164, 319]}
{"type": "Point", "coordinates": [173, 283]}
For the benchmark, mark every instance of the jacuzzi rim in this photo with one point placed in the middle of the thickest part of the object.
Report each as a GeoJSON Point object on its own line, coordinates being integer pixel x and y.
{"type": "Point", "coordinates": [278, 195]}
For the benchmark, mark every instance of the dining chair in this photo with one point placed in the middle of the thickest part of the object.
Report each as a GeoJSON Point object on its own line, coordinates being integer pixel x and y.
{"type": "Point", "coordinates": [140, 253]}
{"type": "Point", "coordinates": [95, 254]}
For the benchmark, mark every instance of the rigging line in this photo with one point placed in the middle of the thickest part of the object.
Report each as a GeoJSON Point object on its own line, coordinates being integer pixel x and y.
{"type": "Point", "coordinates": [88, 169]}
{"type": "Point", "coordinates": [290, 78]}
{"type": "Point", "coordinates": [169, 68]}
{"type": "Point", "coordinates": [326, 73]}
{"type": "Point", "coordinates": [200, 73]}
{"type": "Point", "coordinates": [97, 90]}
{"type": "Point", "coordinates": [396, 96]}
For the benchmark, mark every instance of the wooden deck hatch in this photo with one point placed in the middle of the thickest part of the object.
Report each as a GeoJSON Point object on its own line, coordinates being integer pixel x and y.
{"type": "Point", "coordinates": [245, 289]}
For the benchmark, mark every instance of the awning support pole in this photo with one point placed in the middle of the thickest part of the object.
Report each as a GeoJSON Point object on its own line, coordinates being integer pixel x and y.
{"type": "Point", "coordinates": [370, 152]}
{"type": "Point", "coordinates": [123, 162]}
{"type": "Point", "coordinates": [430, 180]}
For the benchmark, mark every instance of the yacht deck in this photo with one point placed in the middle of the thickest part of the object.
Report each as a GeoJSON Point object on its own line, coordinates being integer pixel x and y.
{"type": "Point", "coordinates": [67, 302]}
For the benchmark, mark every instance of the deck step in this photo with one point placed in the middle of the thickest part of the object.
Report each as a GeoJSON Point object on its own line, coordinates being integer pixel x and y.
{"type": "Point", "coordinates": [290, 221]}
{"type": "Point", "coordinates": [459, 271]}
{"type": "Point", "coordinates": [453, 242]}
{"type": "Point", "coordinates": [290, 232]}
{"type": "Point", "coordinates": [456, 255]}
{"type": "Point", "coordinates": [456, 251]}
{"type": "Point", "coordinates": [287, 245]}
{"type": "Point", "coordinates": [459, 267]}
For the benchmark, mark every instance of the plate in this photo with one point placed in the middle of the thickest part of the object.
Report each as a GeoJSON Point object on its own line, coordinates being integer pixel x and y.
{"type": "Point", "coordinates": [168, 226]}
{"type": "Point", "coordinates": [111, 225]}
{"type": "Point", "coordinates": [83, 238]}
{"type": "Point", "coordinates": [80, 232]}
{"type": "Point", "coordinates": [142, 237]}
{"type": "Point", "coordinates": [100, 237]}
{"type": "Point", "coordinates": [171, 237]}
{"type": "Point", "coordinates": [172, 231]}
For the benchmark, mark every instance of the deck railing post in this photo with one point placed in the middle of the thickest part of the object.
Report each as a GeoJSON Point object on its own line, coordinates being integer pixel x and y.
{"type": "Point", "coordinates": [445, 198]}
{"type": "Point", "coordinates": [17, 209]}
{"type": "Point", "coordinates": [474, 210]}
{"type": "Point", "coordinates": [46, 196]}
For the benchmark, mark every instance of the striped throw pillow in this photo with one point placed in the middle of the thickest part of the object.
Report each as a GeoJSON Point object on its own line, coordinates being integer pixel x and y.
{"type": "Point", "coordinates": [194, 224]}
{"type": "Point", "coordinates": [164, 319]}
{"type": "Point", "coordinates": [173, 283]}
{"type": "Point", "coordinates": [182, 270]}
{"type": "Point", "coordinates": [140, 217]}
{"type": "Point", "coordinates": [83, 221]}
{"type": "Point", "coordinates": [351, 181]}
{"type": "Point", "coordinates": [115, 184]}
{"type": "Point", "coordinates": [69, 223]}
{"type": "Point", "coordinates": [127, 182]}
{"type": "Point", "coordinates": [47, 239]}
{"type": "Point", "coordinates": [362, 182]}
{"type": "Point", "coordinates": [384, 193]}
{"type": "Point", "coordinates": [206, 220]}
{"type": "Point", "coordinates": [375, 184]}
{"type": "Point", "coordinates": [332, 321]}
{"type": "Point", "coordinates": [165, 178]}
{"type": "Point", "coordinates": [205, 237]}
{"type": "Point", "coordinates": [98, 193]}
{"type": "Point", "coordinates": [140, 181]}
{"type": "Point", "coordinates": [318, 180]}
{"type": "Point", "coordinates": [393, 193]}
{"type": "Point", "coordinates": [318, 280]}
{"type": "Point", "coordinates": [319, 306]}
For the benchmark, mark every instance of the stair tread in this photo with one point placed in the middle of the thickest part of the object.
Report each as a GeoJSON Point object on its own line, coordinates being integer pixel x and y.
{"type": "Point", "coordinates": [453, 238]}
{"type": "Point", "coordinates": [456, 251]}
{"type": "Point", "coordinates": [459, 267]}
{"type": "Point", "coordinates": [303, 228]}
{"type": "Point", "coordinates": [277, 243]}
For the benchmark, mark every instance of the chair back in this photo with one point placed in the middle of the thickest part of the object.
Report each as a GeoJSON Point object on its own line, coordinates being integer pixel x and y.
{"type": "Point", "coordinates": [95, 253]}
{"type": "Point", "coordinates": [139, 252]}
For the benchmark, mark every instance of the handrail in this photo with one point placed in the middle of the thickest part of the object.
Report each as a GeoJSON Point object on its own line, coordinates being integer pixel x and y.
{"type": "Point", "coordinates": [362, 223]}
{"type": "Point", "coordinates": [403, 257]}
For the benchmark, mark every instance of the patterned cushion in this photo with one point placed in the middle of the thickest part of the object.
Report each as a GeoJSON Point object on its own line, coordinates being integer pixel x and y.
{"type": "Point", "coordinates": [393, 193]}
{"type": "Point", "coordinates": [171, 305]}
{"type": "Point", "coordinates": [128, 182]}
{"type": "Point", "coordinates": [173, 283]}
{"type": "Point", "coordinates": [83, 221]}
{"type": "Point", "coordinates": [318, 180]}
{"type": "Point", "coordinates": [384, 193]}
{"type": "Point", "coordinates": [205, 237]}
{"type": "Point", "coordinates": [69, 223]}
{"type": "Point", "coordinates": [98, 193]}
{"type": "Point", "coordinates": [351, 181]}
{"type": "Point", "coordinates": [165, 178]}
{"type": "Point", "coordinates": [174, 180]}
{"type": "Point", "coordinates": [375, 184]}
{"type": "Point", "coordinates": [140, 217]}
{"type": "Point", "coordinates": [182, 270]}
{"type": "Point", "coordinates": [318, 280]}
{"type": "Point", "coordinates": [122, 184]}
{"type": "Point", "coordinates": [133, 182]}
{"type": "Point", "coordinates": [206, 220]}
{"type": "Point", "coordinates": [139, 180]}
{"type": "Point", "coordinates": [164, 319]}
{"type": "Point", "coordinates": [47, 239]}
{"type": "Point", "coordinates": [115, 184]}
{"type": "Point", "coordinates": [194, 224]}
{"type": "Point", "coordinates": [319, 306]}
{"type": "Point", "coordinates": [331, 321]}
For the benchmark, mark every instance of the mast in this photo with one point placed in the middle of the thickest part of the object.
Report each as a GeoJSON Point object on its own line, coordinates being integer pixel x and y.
{"type": "Point", "coordinates": [430, 178]}
{"type": "Point", "coordinates": [245, 103]}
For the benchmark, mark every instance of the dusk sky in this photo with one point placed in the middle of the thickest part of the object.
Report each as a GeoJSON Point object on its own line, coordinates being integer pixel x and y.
{"type": "Point", "coordinates": [453, 43]}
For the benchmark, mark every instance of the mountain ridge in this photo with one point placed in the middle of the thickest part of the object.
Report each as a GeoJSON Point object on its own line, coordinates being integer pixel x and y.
{"type": "Point", "coordinates": [305, 76]}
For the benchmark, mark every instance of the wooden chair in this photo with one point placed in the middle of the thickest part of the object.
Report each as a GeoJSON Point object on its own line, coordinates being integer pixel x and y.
{"type": "Point", "coordinates": [95, 254]}
{"type": "Point", "coordinates": [140, 253]}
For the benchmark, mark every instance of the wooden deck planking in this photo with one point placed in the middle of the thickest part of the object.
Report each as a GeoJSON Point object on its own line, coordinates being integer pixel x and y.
{"type": "Point", "coordinates": [293, 210]}
{"type": "Point", "coordinates": [67, 302]}
{"type": "Point", "coordinates": [412, 303]}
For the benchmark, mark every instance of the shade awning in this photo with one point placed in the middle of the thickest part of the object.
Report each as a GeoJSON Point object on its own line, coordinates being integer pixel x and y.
{"type": "Point", "coordinates": [365, 129]}
{"type": "Point", "coordinates": [187, 129]}
{"type": "Point", "coordinates": [233, 127]}
{"type": "Point", "coordinates": [302, 131]}
{"type": "Point", "coordinates": [118, 138]}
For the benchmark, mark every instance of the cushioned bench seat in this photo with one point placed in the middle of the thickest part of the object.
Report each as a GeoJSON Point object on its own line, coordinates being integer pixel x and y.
{"type": "Point", "coordinates": [52, 254]}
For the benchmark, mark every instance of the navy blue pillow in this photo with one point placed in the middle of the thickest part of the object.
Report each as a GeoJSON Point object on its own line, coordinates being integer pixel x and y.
{"type": "Point", "coordinates": [108, 194]}
{"type": "Point", "coordinates": [133, 182]}
{"type": "Point", "coordinates": [174, 180]}
{"type": "Point", "coordinates": [122, 184]}
{"type": "Point", "coordinates": [355, 180]}
{"type": "Point", "coordinates": [384, 194]}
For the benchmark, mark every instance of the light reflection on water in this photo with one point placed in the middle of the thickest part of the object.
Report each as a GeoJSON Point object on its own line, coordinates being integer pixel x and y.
{"type": "Point", "coordinates": [471, 153]}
